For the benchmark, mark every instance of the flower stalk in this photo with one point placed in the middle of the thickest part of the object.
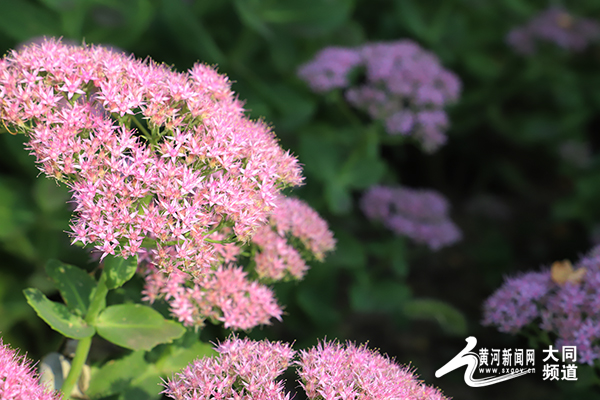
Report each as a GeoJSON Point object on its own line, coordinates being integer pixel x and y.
{"type": "Point", "coordinates": [83, 346]}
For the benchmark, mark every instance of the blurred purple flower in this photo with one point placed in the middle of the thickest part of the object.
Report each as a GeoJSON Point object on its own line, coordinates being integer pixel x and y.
{"type": "Point", "coordinates": [512, 306]}
{"type": "Point", "coordinates": [554, 25]}
{"type": "Point", "coordinates": [330, 68]}
{"type": "Point", "coordinates": [405, 86]}
{"type": "Point", "coordinates": [422, 215]}
{"type": "Point", "coordinates": [568, 309]}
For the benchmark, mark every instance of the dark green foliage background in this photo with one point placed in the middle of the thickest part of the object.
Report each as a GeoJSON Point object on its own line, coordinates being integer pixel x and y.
{"type": "Point", "coordinates": [503, 145]}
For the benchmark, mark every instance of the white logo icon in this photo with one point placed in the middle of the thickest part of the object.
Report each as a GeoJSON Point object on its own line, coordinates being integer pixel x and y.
{"type": "Point", "coordinates": [472, 361]}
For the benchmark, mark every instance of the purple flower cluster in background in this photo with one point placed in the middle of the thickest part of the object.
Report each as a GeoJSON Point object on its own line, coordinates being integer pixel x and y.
{"type": "Point", "coordinates": [555, 25]}
{"type": "Point", "coordinates": [18, 380]}
{"type": "Point", "coordinates": [248, 369]}
{"type": "Point", "coordinates": [514, 305]}
{"type": "Point", "coordinates": [565, 303]}
{"type": "Point", "coordinates": [420, 214]}
{"type": "Point", "coordinates": [405, 86]}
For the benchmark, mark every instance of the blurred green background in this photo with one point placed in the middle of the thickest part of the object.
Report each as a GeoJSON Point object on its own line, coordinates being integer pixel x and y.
{"type": "Point", "coordinates": [521, 167]}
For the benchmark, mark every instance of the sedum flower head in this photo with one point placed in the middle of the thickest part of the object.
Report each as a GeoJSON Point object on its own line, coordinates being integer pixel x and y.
{"type": "Point", "coordinates": [557, 26]}
{"type": "Point", "coordinates": [244, 369]}
{"type": "Point", "coordinates": [18, 380]}
{"type": "Point", "coordinates": [331, 371]}
{"type": "Point", "coordinates": [563, 301]}
{"type": "Point", "coordinates": [249, 369]}
{"type": "Point", "coordinates": [405, 86]}
{"type": "Point", "coordinates": [164, 165]}
{"type": "Point", "coordinates": [147, 151]}
{"type": "Point", "coordinates": [420, 214]}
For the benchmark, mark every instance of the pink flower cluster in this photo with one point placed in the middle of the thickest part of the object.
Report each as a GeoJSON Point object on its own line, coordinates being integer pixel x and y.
{"type": "Point", "coordinates": [554, 25]}
{"type": "Point", "coordinates": [227, 295]}
{"type": "Point", "coordinates": [161, 164]}
{"type": "Point", "coordinates": [18, 380]}
{"type": "Point", "coordinates": [332, 371]}
{"type": "Point", "coordinates": [422, 215]}
{"type": "Point", "coordinates": [569, 309]}
{"type": "Point", "coordinates": [194, 163]}
{"type": "Point", "coordinates": [245, 369]}
{"type": "Point", "coordinates": [249, 369]}
{"type": "Point", "coordinates": [293, 219]}
{"type": "Point", "coordinates": [405, 86]}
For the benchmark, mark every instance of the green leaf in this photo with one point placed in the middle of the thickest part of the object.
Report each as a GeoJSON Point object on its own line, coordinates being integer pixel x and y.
{"type": "Point", "coordinates": [145, 387]}
{"type": "Point", "coordinates": [119, 270]}
{"type": "Point", "coordinates": [176, 358]}
{"type": "Point", "coordinates": [22, 20]}
{"type": "Point", "coordinates": [349, 252]}
{"type": "Point", "coordinates": [321, 154]}
{"type": "Point", "coordinates": [190, 32]}
{"type": "Point", "coordinates": [363, 173]}
{"type": "Point", "coordinates": [249, 16]}
{"type": "Point", "coordinates": [116, 375]}
{"type": "Point", "coordinates": [295, 108]}
{"type": "Point", "coordinates": [450, 319]}
{"type": "Point", "coordinates": [312, 17]}
{"type": "Point", "coordinates": [412, 17]}
{"type": "Point", "coordinates": [134, 378]}
{"type": "Point", "coordinates": [338, 198]}
{"type": "Point", "coordinates": [136, 327]}
{"type": "Point", "coordinates": [58, 316]}
{"type": "Point", "coordinates": [381, 296]}
{"type": "Point", "coordinates": [74, 284]}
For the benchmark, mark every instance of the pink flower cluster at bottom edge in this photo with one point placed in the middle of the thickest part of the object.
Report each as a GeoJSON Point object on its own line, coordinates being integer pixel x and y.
{"type": "Point", "coordinates": [18, 380]}
{"type": "Point", "coordinates": [247, 369]}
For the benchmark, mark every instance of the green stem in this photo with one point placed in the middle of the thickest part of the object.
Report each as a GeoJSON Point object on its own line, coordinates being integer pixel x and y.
{"type": "Point", "coordinates": [224, 241]}
{"type": "Point", "coordinates": [142, 129]}
{"type": "Point", "coordinates": [98, 300]}
{"type": "Point", "coordinates": [83, 346]}
{"type": "Point", "coordinates": [219, 226]}
{"type": "Point", "coordinates": [81, 353]}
